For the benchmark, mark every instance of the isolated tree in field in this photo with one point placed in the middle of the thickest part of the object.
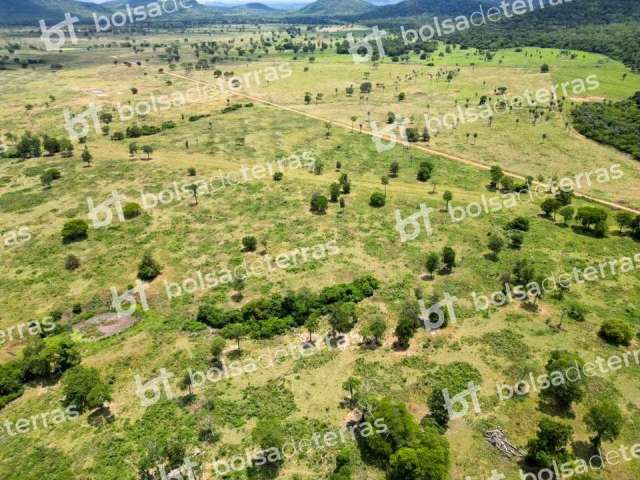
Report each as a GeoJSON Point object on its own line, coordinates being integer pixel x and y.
{"type": "Point", "coordinates": [235, 331]}
{"type": "Point", "coordinates": [74, 230]}
{"type": "Point", "coordinates": [342, 318]}
{"type": "Point", "coordinates": [394, 169]}
{"type": "Point", "coordinates": [194, 191]}
{"type": "Point", "coordinates": [447, 196]}
{"type": "Point", "coordinates": [83, 388]}
{"type": "Point", "coordinates": [133, 148]}
{"type": "Point", "coordinates": [625, 220]}
{"type": "Point", "coordinates": [424, 171]}
{"type": "Point", "coordinates": [550, 206]}
{"type": "Point", "coordinates": [496, 175]}
{"type": "Point", "coordinates": [51, 144]}
{"type": "Point", "coordinates": [312, 324]}
{"type": "Point", "coordinates": [385, 181]}
{"type": "Point", "coordinates": [593, 218]}
{"type": "Point", "coordinates": [375, 329]}
{"type": "Point", "coordinates": [617, 331]}
{"type": "Point", "coordinates": [567, 213]}
{"type": "Point", "coordinates": [495, 244]}
{"type": "Point", "coordinates": [377, 200]}
{"type": "Point", "coordinates": [353, 122]}
{"type": "Point", "coordinates": [567, 392]}
{"type": "Point", "coordinates": [352, 385]}
{"type": "Point", "coordinates": [148, 149]}
{"type": "Point", "coordinates": [407, 324]}
{"type": "Point", "coordinates": [148, 269]}
{"type": "Point", "coordinates": [249, 244]}
{"type": "Point", "coordinates": [605, 420]}
{"type": "Point", "coordinates": [319, 204]}
{"type": "Point", "coordinates": [550, 444]}
{"type": "Point", "coordinates": [432, 263]}
{"type": "Point", "coordinates": [334, 192]}
{"type": "Point", "coordinates": [86, 156]}
{"type": "Point", "coordinates": [449, 258]}
{"type": "Point", "coordinates": [218, 345]}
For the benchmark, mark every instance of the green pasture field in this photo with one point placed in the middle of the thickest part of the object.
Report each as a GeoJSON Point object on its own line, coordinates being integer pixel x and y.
{"type": "Point", "coordinates": [187, 238]}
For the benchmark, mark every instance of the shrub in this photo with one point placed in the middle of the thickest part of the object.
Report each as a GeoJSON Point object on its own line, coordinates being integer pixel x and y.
{"type": "Point", "coordinates": [74, 230]}
{"type": "Point", "coordinates": [191, 171]}
{"type": "Point", "coordinates": [149, 269]}
{"type": "Point", "coordinates": [319, 203]}
{"type": "Point", "coordinates": [519, 223]}
{"type": "Point", "coordinates": [278, 176]}
{"type": "Point", "coordinates": [617, 332]}
{"type": "Point", "coordinates": [377, 200]}
{"type": "Point", "coordinates": [71, 263]}
{"type": "Point", "coordinates": [250, 244]}
{"type": "Point", "coordinates": [131, 210]}
{"type": "Point", "coordinates": [577, 312]}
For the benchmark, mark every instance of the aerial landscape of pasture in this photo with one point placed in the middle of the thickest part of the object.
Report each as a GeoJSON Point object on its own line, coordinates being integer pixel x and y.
{"type": "Point", "coordinates": [320, 240]}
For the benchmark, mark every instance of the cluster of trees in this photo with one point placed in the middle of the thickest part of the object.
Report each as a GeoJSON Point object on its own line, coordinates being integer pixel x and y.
{"type": "Point", "coordinates": [32, 146]}
{"type": "Point", "coordinates": [406, 449]}
{"type": "Point", "coordinates": [267, 317]}
{"type": "Point", "coordinates": [48, 357]}
{"type": "Point", "coordinates": [611, 123]}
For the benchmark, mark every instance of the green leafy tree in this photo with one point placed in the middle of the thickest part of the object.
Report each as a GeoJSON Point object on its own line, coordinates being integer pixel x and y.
{"type": "Point", "coordinates": [550, 444]}
{"type": "Point", "coordinates": [342, 318]}
{"type": "Point", "coordinates": [312, 324]}
{"type": "Point", "coordinates": [250, 244]}
{"type": "Point", "coordinates": [496, 174]}
{"type": "Point", "coordinates": [148, 150]}
{"type": "Point", "coordinates": [83, 388]}
{"type": "Point", "coordinates": [319, 204]}
{"type": "Point", "coordinates": [447, 196]}
{"type": "Point", "coordinates": [352, 385]}
{"type": "Point", "coordinates": [148, 269]}
{"type": "Point", "coordinates": [433, 263]}
{"type": "Point", "coordinates": [605, 420]}
{"type": "Point", "coordinates": [617, 332]}
{"type": "Point", "coordinates": [569, 390]}
{"type": "Point", "coordinates": [495, 244]}
{"type": "Point", "coordinates": [86, 156]}
{"type": "Point", "coordinates": [235, 331]}
{"type": "Point", "coordinates": [449, 258]}
{"type": "Point", "coordinates": [374, 331]}
{"type": "Point", "coordinates": [75, 230]}
{"type": "Point", "coordinates": [217, 347]}
{"type": "Point", "coordinates": [567, 213]}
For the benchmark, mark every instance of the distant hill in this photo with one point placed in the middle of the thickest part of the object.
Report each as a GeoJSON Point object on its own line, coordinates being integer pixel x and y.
{"type": "Point", "coordinates": [254, 7]}
{"type": "Point", "coordinates": [336, 8]}
{"type": "Point", "coordinates": [415, 8]}
{"type": "Point", "coordinates": [52, 11]}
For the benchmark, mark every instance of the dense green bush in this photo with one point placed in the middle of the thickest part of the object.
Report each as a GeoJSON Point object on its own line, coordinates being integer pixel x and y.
{"type": "Point", "coordinates": [131, 210]}
{"type": "Point", "coordinates": [74, 230]}
{"type": "Point", "coordinates": [617, 332]}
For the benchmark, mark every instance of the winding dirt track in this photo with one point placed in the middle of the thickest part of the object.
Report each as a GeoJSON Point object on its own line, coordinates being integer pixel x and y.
{"type": "Point", "coordinates": [432, 151]}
